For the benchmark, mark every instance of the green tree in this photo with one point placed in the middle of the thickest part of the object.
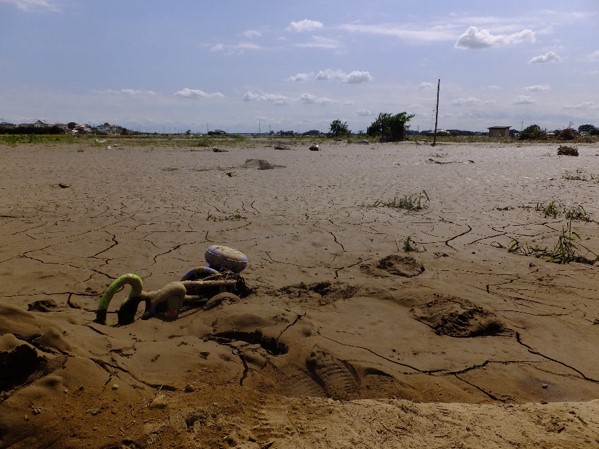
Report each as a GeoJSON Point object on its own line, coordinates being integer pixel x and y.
{"type": "Point", "coordinates": [339, 128]}
{"type": "Point", "coordinates": [533, 132]}
{"type": "Point", "coordinates": [389, 128]}
{"type": "Point", "coordinates": [586, 129]}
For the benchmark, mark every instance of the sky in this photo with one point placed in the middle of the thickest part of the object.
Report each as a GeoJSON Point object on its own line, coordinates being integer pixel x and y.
{"type": "Point", "coordinates": [270, 65]}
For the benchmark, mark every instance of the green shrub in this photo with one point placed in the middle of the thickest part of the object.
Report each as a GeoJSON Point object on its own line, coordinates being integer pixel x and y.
{"type": "Point", "coordinates": [565, 150]}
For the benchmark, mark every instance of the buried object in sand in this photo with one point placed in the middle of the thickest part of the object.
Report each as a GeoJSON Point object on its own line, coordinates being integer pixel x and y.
{"type": "Point", "coordinates": [198, 284]}
{"type": "Point", "coordinates": [168, 299]}
{"type": "Point", "coordinates": [221, 257]}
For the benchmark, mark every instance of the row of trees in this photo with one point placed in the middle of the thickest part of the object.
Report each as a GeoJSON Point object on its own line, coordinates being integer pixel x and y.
{"type": "Point", "coordinates": [387, 127]}
{"type": "Point", "coordinates": [535, 132]}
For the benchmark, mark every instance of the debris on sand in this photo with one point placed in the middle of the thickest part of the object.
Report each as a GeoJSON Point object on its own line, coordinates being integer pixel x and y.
{"type": "Point", "coordinates": [259, 164]}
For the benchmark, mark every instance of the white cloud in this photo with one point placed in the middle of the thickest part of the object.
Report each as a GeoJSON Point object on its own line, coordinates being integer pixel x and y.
{"type": "Point", "coordinates": [470, 101]}
{"type": "Point", "coordinates": [524, 99]}
{"type": "Point", "coordinates": [354, 77]}
{"type": "Point", "coordinates": [594, 56]}
{"type": "Point", "coordinates": [550, 56]}
{"type": "Point", "coordinates": [197, 93]}
{"type": "Point", "coordinates": [538, 88]}
{"type": "Point", "coordinates": [587, 105]}
{"type": "Point", "coordinates": [299, 77]}
{"type": "Point", "coordinates": [474, 38]}
{"type": "Point", "coordinates": [138, 92]}
{"type": "Point", "coordinates": [239, 48]}
{"type": "Point", "coordinates": [250, 34]}
{"type": "Point", "coordinates": [424, 34]}
{"type": "Point", "coordinates": [128, 92]}
{"type": "Point", "coordinates": [364, 112]}
{"type": "Point", "coordinates": [27, 5]}
{"type": "Point", "coordinates": [277, 99]}
{"type": "Point", "coordinates": [358, 76]}
{"type": "Point", "coordinates": [312, 99]}
{"type": "Point", "coordinates": [305, 25]}
{"type": "Point", "coordinates": [320, 42]}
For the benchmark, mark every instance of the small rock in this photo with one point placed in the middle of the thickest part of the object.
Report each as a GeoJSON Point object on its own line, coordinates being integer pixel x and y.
{"type": "Point", "coordinates": [231, 440]}
{"type": "Point", "coordinates": [159, 402]}
{"type": "Point", "coordinates": [115, 386]}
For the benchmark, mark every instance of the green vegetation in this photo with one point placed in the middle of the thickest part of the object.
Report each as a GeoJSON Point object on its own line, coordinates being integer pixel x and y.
{"type": "Point", "coordinates": [412, 202]}
{"type": "Point", "coordinates": [549, 210]}
{"type": "Point", "coordinates": [555, 209]}
{"type": "Point", "coordinates": [588, 129]}
{"type": "Point", "coordinates": [339, 129]}
{"type": "Point", "coordinates": [234, 216]}
{"type": "Point", "coordinates": [567, 249]}
{"type": "Point", "coordinates": [580, 175]}
{"type": "Point", "coordinates": [45, 139]}
{"type": "Point", "coordinates": [565, 150]}
{"type": "Point", "coordinates": [390, 128]}
{"type": "Point", "coordinates": [577, 213]}
{"type": "Point", "coordinates": [409, 245]}
{"type": "Point", "coordinates": [533, 132]}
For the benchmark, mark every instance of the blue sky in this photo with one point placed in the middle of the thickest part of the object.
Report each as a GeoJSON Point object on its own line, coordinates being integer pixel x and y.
{"type": "Point", "coordinates": [245, 66]}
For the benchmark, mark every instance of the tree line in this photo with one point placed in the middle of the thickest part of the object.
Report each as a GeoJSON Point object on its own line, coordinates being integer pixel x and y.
{"type": "Point", "coordinates": [387, 127]}
{"type": "Point", "coordinates": [535, 132]}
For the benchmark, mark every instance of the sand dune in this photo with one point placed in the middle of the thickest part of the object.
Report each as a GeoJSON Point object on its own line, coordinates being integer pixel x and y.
{"type": "Point", "coordinates": [347, 338]}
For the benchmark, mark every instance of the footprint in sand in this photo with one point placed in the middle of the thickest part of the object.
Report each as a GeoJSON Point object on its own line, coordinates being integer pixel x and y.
{"type": "Point", "coordinates": [336, 377]}
{"type": "Point", "coordinates": [458, 317]}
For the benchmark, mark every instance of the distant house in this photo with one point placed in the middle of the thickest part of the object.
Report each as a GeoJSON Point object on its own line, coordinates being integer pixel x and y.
{"type": "Point", "coordinates": [6, 125]}
{"type": "Point", "coordinates": [499, 132]}
{"type": "Point", "coordinates": [40, 124]}
{"type": "Point", "coordinates": [82, 129]}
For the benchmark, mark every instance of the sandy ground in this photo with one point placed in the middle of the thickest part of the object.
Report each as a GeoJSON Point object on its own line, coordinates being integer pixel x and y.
{"type": "Point", "coordinates": [348, 338]}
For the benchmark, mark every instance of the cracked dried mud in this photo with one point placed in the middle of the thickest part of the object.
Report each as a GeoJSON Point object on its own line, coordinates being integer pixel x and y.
{"type": "Point", "coordinates": [345, 339]}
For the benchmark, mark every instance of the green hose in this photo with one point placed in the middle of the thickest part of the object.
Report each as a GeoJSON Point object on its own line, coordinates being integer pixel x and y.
{"type": "Point", "coordinates": [136, 288]}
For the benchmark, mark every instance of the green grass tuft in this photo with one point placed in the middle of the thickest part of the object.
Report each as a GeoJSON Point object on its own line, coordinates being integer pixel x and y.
{"type": "Point", "coordinates": [412, 202]}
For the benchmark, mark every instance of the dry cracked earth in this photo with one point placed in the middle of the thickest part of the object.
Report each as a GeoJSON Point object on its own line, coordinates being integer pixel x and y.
{"type": "Point", "coordinates": [359, 311]}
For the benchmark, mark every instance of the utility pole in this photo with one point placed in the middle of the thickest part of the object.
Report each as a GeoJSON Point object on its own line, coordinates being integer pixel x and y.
{"type": "Point", "coordinates": [436, 113]}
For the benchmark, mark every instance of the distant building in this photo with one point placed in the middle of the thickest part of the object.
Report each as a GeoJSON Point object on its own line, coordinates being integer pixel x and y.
{"type": "Point", "coordinates": [499, 132]}
{"type": "Point", "coordinates": [6, 125]}
{"type": "Point", "coordinates": [40, 124]}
